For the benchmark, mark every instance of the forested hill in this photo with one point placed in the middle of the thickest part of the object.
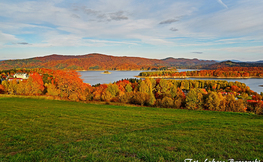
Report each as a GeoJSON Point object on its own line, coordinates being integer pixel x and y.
{"type": "Point", "coordinates": [233, 64]}
{"type": "Point", "coordinates": [99, 62]}
{"type": "Point", "coordinates": [187, 63]}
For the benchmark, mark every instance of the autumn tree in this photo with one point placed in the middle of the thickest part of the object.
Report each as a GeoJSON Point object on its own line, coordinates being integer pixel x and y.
{"type": "Point", "coordinates": [167, 102]}
{"type": "Point", "coordinates": [113, 89]}
{"type": "Point", "coordinates": [21, 88]}
{"type": "Point", "coordinates": [36, 83]}
{"type": "Point", "coordinates": [173, 91]}
{"type": "Point", "coordinates": [143, 87]}
{"type": "Point", "coordinates": [2, 89]}
{"type": "Point", "coordinates": [128, 88]}
{"type": "Point", "coordinates": [194, 99]}
{"type": "Point", "coordinates": [230, 102]}
{"type": "Point", "coordinates": [213, 102]}
{"type": "Point", "coordinates": [5, 85]}
{"type": "Point", "coordinates": [140, 98]}
{"type": "Point", "coordinates": [52, 89]}
{"type": "Point", "coordinates": [191, 99]}
{"type": "Point", "coordinates": [12, 86]}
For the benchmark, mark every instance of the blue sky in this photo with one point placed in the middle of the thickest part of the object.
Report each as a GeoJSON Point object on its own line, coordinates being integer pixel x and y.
{"type": "Point", "coordinates": [204, 29]}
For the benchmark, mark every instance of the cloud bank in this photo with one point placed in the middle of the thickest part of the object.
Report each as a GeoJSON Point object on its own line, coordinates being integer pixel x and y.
{"type": "Point", "coordinates": [116, 25]}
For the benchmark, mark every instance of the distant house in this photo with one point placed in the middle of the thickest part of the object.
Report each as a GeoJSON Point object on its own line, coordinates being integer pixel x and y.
{"type": "Point", "coordinates": [21, 75]}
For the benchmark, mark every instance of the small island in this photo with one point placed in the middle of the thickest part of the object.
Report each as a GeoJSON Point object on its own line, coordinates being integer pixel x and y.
{"type": "Point", "coordinates": [106, 72]}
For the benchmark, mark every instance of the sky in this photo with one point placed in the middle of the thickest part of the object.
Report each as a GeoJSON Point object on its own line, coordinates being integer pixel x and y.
{"type": "Point", "coordinates": [203, 29]}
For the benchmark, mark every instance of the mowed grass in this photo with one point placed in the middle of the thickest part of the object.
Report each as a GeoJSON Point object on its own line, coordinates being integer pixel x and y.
{"type": "Point", "coordinates": [47, 130]}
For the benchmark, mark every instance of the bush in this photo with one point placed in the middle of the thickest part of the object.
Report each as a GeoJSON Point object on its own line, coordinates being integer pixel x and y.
{"type": "Point", "coordinates": [167, 102]}
{"type": "Point", "coordinates": [140, 98]}
{"type": "Point", "coordinates": [126, 97]}
{"type": "Point", "coordinates": [178, 103]}
{"type": "Point", "coordinates": [73, 97]}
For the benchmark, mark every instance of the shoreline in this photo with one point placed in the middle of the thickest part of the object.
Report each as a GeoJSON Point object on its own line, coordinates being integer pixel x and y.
{"type": "Point", "coordinates": [201, 77]}
{"type": "Point", "coordinates": [113, 70]}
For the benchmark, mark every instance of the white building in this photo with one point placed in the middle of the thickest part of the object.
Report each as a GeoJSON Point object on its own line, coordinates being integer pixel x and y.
{"type": "Point", "coordinates": [21, 75]}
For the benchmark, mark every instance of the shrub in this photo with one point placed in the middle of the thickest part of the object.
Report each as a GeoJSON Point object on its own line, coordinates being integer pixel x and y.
{"type": "Point", "coordinates": [178, 103]}
{"type": "Point", "coordinates": [73, 97]}
{"type": "Point", "coordinates": [167, 102]}
{"type": "Point", "coordinates": [126, 97]}
{"type": "Point", "coordinates": [140, 98]}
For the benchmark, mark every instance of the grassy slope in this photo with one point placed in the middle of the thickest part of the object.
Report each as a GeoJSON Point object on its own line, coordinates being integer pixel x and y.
{"type": "Point", "coordinates": [45, 130]}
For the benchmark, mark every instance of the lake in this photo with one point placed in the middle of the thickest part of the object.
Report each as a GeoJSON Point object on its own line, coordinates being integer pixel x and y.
{"type": "Point", "coordinates": [95, 77]}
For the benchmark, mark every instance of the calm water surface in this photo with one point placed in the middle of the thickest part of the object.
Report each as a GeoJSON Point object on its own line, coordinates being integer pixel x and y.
{"type": "Point", "coordinates": [95, 77]}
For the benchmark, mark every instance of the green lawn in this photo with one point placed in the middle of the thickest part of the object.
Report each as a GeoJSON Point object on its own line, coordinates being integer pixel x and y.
{"type": "Point", "coordinates": [47, 130]}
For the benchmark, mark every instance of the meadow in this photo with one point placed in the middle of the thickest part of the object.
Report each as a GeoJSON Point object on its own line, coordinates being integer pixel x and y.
{"type": "Point", "coordinates": [50, 130]}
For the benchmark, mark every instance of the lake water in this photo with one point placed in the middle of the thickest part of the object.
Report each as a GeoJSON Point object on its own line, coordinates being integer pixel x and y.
{"type": "Point", "coordinates": [95, 77]}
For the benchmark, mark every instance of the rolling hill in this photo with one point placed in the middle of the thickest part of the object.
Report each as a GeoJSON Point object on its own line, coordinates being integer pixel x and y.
{"type": "Point", "coordinates": [97, 61]}
{"type": "Point", "coordinates": [187, 63]}
{"type": "Point", "coordinates": [233, 64]}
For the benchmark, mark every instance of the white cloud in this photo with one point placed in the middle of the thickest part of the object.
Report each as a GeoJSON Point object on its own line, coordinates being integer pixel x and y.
{"type": "Point", "coordinates": [118, 22]}
{"type": "Point", "coordinates": [255, 49]}
{"type": "Point", "coordinates": [222, 3]}
{"type": "Point", "coordinates": [47, 14]}
{"type": "Point", "coordinates": [7, 38]}
{"type": "Point", "coordinates": [242, 20]}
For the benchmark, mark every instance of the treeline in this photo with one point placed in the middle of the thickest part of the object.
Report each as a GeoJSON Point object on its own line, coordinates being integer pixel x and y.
{"type": "Point", "coordinates": [180, 94]}
{"type": "Point", "coordinates": [223, 72]}
{"type": "Point", "coordinates": [232, 64]}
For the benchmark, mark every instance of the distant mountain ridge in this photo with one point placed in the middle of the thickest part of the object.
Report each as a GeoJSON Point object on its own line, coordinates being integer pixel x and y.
{"type": "Point", "coordinates": [96, 61]}
{"type": "Point", "coordinates": [260, 61]}
{"type": "Point", "coordinates": [233, 64]}
{"type": "Point", "coordinates": [229, 60]}
{"type": "Point", "coordinates": [187, 63]}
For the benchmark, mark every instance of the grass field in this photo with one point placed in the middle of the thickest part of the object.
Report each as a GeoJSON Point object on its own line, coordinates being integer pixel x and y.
{"type": "Point", "coordinates": [47, 130]}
